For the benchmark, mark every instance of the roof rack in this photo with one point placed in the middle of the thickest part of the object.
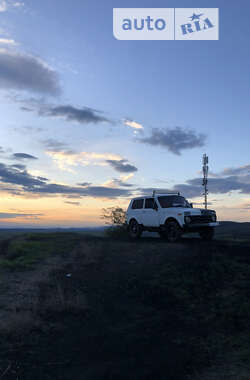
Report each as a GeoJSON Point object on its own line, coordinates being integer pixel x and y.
{"type": "Point", "coordinates": [165, 192]}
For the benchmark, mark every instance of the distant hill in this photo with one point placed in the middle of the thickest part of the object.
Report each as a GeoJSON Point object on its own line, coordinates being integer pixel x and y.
{"type": "Point", "coordinates": [233, 230]}
{"type": "Point", "coordinates": [8, 232]}
{"type": "Point", "coordinates": [226, 230]}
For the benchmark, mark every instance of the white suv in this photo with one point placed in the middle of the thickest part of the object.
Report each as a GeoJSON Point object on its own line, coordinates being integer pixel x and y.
{"type": "Point", "coordinates": [170, 215]}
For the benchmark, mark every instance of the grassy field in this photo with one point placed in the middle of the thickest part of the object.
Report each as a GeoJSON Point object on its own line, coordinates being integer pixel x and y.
{"type": "Point", "coordinates": [22, 251]}
{"type": "Point", "coordinates": [79, 306]}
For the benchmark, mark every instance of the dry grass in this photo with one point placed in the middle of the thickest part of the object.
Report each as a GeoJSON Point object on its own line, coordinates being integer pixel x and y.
{"type": "Point", "coordinates": [222, 371]}
{"type": "Point", "coordinates": [204, 289]}
{"type": "Point", "coordinates": [19, 323]}
{"type": "Point", "coordinates": [60, 295]}
{"type": "Point", "coordinates": [26, 295]}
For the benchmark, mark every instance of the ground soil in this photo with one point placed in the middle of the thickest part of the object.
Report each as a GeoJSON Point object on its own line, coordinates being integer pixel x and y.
{"type": "Point", "coordinates": [92, 315]}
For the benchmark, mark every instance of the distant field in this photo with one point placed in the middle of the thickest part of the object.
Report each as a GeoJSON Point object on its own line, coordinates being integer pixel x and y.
{"type": "Point", "coordinates": [8, 232]}
{"type": "Point", "coordinates": [226, 230]}
{"type": "Point", "coordinates": [76, 304]}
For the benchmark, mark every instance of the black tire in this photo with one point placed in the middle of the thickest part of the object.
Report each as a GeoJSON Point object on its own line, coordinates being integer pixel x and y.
{"type": "Point", "coordinates": [162, 234]}
{"type": "Point", "coordinates": [173, 231]}
{"type": "Point", "coordinates": [134, 229]}
{"type": "Point", "coordinates": [207, 234]}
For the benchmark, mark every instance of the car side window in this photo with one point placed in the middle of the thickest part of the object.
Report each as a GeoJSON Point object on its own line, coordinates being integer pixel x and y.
{"type": "Point", "coordinates": [166, 202]}
{"type": "Point", "coordinates": [149, 203]}
{"type": "Point", "coordinates": [137, 204]}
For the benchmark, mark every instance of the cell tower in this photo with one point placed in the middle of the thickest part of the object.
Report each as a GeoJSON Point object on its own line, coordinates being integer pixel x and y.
{"type": "Point", "coordinates": [205, 175]}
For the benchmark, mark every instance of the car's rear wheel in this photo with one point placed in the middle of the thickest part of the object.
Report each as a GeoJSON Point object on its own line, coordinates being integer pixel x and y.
{"type": "Point", "coordinates": [134, 229]}
{"type": "Point", "coordinates": [173, 231]}
{"type": "Point", "coordinates": [207, 234]}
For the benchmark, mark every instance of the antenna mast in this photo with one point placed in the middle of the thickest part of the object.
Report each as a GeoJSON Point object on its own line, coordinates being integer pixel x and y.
{"type": "Point", "coordinates": [205, 175]}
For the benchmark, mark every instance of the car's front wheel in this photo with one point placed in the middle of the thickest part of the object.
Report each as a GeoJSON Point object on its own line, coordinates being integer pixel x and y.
{"type": "Point", "coordinates": [173, 231]}
{"type": "Point", "coordinates": [207, 234]}
{"type": "Point", "coordinates": [162, 234]}
{"type": "Point", "coordinates": [134, 229]}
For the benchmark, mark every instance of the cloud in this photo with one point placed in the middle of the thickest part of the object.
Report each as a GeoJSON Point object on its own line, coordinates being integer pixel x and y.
{"type": "Point", "coordinates": [186, 190]}
{"type": "Point", "coordinates": [6, 41]}
{"type": "Point", "coordinates": [70, 113]}
{"type": "Point", "coordinates": [27, 109]}
{"type": "Point", "coordinates": [193, 187]}
{"type": "Point", "coordinates": [133, 124]}
{"type": "Point", "coordinates": [116, 182]}
{"type": "Point", "coordinates": [28, 129]}
{"type": "Point", "coordinates": [67, 159]}
{"type": "Point", "coordinates": [10, 174]}
{"type": "Point", "coordinates": [245, 206]}
{"type": "Point", "coordinates": [3, 6]}
{"type": "Point", "coordinates": [175, 140]}
{"type": "Point", "coordinates": [18, 4]}
{"type": "Point", "coordinates": [54, 145]}
{"type": "Point", "coordinates": [19, 166]}
{"type": "Point", "coordinates": [27, 184]}
{"type": "Point", "coordinates": [90, 191]}
{"type": "Point", "coordinates": [84, 184]}
{"type": "Point", "coordinates": [73, 203]}
{"type": "Point", "coordinates": [220, 184]}
{"type": "Point", "coordinates": [122, 166]}
{"type": "Point", "coordinates": [7, 215]}
{"type": "Point", "coordinates": [21, 71]}
{"type": "Point", "coordinates": [24, 156]}
{"type": "Point", "coordinates": [126, 177]}
{"type": "Point", "coordinates": [120, 182]}
{"type": "Point", "coordinates": [241, 170]}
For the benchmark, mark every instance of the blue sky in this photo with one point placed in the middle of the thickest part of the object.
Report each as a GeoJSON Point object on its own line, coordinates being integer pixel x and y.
{"type": "Point", "coordinates": [67, 87]}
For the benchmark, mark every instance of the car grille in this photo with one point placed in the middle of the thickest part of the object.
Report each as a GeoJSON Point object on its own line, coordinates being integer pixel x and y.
{"type": "Point", "coordinates": [201, 219]}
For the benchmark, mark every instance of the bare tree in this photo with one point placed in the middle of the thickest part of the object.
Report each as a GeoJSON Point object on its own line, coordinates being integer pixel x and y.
{"type": "Point", "coordinates": [114, 216]}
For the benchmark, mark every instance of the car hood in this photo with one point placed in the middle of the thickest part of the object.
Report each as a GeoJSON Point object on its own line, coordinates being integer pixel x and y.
{"type": "Point", "coordinates": [191, 211]}
{"type": "Point", "coordinates": [200, 211]}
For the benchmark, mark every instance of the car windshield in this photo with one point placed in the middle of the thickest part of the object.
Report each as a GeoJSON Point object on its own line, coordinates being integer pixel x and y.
{"type": "Point", "coordinates": [173, 201]}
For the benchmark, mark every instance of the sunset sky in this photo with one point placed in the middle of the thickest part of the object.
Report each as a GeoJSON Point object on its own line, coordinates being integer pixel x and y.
{"type": "Point", "coordinates": [88, 121]}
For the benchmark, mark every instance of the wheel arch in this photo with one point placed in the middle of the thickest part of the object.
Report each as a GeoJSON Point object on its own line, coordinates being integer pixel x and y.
{"type": "Point", "coordinates": [172, 219]}
{"type": "Point", "coordinates": [132, 218]}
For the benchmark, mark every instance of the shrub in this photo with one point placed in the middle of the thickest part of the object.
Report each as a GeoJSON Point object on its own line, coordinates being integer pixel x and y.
{"type": "Point", "coordinates": [115, 217]}
{"type": "Point", "coordinates": [117, 232]}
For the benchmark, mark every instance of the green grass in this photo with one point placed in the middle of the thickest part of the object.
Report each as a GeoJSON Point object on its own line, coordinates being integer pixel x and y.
{"type": "Point", "coordinates": [25, 250]}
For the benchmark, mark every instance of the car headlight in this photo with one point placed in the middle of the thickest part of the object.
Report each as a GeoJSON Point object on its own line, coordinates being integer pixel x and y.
{"type": "Point", "coordinates": [214, 218]}
{"type": "Point", "coordinates": [187, 219]}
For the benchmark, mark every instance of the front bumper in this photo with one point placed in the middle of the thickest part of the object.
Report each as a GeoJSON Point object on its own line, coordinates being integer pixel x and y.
{"type": "Point", "coordinates": [192, 226]}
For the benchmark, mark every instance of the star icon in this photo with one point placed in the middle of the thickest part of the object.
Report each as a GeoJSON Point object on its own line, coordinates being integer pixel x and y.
{"type": "Point", "coordinates": [195, 17]}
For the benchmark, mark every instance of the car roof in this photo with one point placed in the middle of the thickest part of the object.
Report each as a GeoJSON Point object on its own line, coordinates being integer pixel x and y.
{"type": "Point", "coordinates": [168, 195]}
{"type": "Point", "coordinates": [151, 196]}
{"type": "Point", "coordinates": [142, 197]}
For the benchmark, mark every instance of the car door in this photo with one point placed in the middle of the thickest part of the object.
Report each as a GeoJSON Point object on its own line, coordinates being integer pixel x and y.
{"type": "Point", "coordinates": [150, 216]}
{"type": "Point", "coordinates": [137, 210]}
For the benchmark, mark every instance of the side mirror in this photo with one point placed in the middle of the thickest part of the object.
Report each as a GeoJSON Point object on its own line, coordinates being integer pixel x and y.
{"type": "Point", "coordinates": [155, 207]}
